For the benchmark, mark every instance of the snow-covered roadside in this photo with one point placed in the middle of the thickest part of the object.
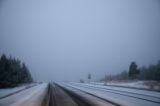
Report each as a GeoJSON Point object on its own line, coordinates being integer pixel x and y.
{"type": "Point", "coordinates": [94, 100]}
{"type": "Point", "coordinates": [124, 99]}
{"type": "Point", "coordinates": [137, 91]}
{"type": "Point", "coordinates": [148, 85]}
{"type": "Point", "coordinates": [9, 91]}
{"type": "Point", "coordinates": [30, 97]}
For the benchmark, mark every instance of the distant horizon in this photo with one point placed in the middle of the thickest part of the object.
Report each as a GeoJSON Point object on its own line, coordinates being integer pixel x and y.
{"type": "Point", "coordinates": [67, 39]}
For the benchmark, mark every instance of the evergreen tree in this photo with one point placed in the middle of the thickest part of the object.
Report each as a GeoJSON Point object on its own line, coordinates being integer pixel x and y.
{"type": "Point", "coordinates": [12, 72]}
{"type": "Point", "coordinates": [157, 77]}
{"type": "Point", "coordinates": [133, 71]}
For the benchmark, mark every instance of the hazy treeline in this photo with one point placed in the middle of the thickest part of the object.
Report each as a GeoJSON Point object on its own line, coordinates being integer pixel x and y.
{"type": "Point", "coordinates": [13, 72]}
{"type": "Point", "coordinates": [152, 72]}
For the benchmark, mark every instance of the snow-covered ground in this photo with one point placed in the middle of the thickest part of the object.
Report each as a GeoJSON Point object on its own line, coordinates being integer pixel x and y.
{"type": "Point", "coordinates": [93, 100]}
{"type": "Point", "coordinates": [10, 91]}
{"type": "Point", "coordinates": [121, 89]}
{"type": "Point", "coordinates": [148, 85]}
{"type": "Point", "coordinates": [32, 96]}
{"type": "Point", "coordinates": [120, 95]}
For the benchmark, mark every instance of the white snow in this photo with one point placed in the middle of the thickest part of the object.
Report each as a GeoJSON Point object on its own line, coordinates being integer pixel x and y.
{"type": "Point", "coordinates": [132, 84]}
{"type": "Point", "coordinates": [29, 97]}
{"type": "Point", "coordinates": [138, 91]}
{"type": "Point", "coordinates": [8, 91]}
{"type": "Point", "coordinates": [118, 98]}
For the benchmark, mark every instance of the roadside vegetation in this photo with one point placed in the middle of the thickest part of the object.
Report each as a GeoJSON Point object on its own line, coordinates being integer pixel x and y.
{"type": "Point", "coordinates": [13, 72]}
{"type": "Point", "coordinates": [152, 72]}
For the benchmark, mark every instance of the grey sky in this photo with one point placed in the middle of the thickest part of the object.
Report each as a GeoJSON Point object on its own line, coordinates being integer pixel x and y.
{"type": "Point", "coordinates": [67, 39]}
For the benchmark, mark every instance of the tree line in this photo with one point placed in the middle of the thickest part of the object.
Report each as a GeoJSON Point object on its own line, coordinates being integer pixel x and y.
{"type": "Point", "coordinates": [13, 72]}
{"type": "Point", "coordinates": [152, 72]}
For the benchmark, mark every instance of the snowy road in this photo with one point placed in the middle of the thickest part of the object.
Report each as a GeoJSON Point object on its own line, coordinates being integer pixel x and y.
{"type": "Point", "coordinates": [121, 96]}
{"type": "Point", "coordinates": [29, 97]}
{"type": "Point", "coordinates": [49, 95]}
{"type": "Point", "coordinates": [77, 94]}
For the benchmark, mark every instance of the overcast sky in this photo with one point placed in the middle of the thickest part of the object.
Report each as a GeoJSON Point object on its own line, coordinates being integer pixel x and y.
{"type": "Point", "coordinates": [67, 39]}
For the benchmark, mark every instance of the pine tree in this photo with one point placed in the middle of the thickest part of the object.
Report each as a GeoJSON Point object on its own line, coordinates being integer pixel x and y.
{"type": "Point", "coordinates": [12, 72]}
{"type": "Point", "coordinates": [133, 71]}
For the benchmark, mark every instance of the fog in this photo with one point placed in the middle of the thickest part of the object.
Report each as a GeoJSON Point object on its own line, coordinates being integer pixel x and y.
{"type": "Point", "coordinates": [64, 40]}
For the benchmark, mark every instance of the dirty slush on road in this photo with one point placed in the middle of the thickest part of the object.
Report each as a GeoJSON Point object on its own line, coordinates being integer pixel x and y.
{"type": "Point", "coordinates": [59, 96]}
